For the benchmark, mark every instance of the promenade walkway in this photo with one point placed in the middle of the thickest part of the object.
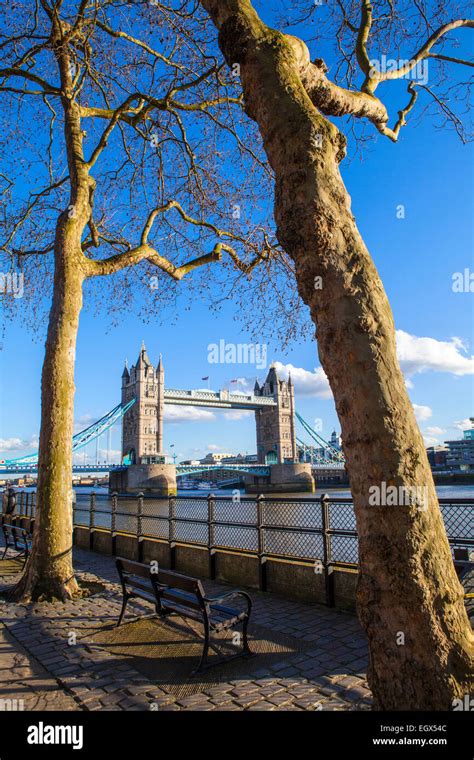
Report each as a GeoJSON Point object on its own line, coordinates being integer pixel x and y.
{"type": "Point", "coordinates": [52, 658]}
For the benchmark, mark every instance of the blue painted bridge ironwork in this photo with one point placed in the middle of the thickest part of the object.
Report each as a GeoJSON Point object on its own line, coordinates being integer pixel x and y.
{"type": "Point", "coordinates": [323, 455]}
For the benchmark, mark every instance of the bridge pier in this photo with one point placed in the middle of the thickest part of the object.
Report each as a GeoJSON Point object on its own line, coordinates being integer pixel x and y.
{"type": "Point", "coordinates": [284, 478]}
{"type": "Point", "coordinates": [156, 479]}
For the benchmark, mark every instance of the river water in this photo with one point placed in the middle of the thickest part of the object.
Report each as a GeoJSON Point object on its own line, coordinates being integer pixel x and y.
{"type": "Point", "coordinates": [236, 519]}
{"type": "Point", "coordinates": [444, 492]}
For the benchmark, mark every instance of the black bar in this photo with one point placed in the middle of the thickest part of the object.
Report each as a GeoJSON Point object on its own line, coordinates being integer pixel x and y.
{"type": "Point", "coordinates": [211, 536]}
{"type": "Point", "coordinates": [92, 522]}
{"type": "Point", "coordinates": [172, 530]}
{"type": "Point", "coordinates": [262, 560]}
{"type": "Point", "coordinates": [139, 527]}
{"type": "Point", "coordinates": [328, 569]}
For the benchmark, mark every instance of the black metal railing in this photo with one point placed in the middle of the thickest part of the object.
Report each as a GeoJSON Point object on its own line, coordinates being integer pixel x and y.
{"type": "Point", "coordinates": [319, 531]}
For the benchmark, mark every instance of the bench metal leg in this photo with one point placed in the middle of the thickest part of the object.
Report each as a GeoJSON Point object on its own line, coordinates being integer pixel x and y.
{"type": "Point", "coordinates": [245, 648]}
{"type": "Point", "coordinates": [205, 650]}
{"type": "Point", "coordinates": [122, 611]}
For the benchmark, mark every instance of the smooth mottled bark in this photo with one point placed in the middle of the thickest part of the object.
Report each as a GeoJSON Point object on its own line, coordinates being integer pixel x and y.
{"type": "Point", "coordinates": [82, 235]}
{"type": "Point", "coordinates": [409, 598]}
{"type": "Point", "coordinates": [49, 573]}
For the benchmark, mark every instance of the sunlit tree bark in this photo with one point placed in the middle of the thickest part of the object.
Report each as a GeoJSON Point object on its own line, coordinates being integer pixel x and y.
{"type": "Point", "coordinates": [55, 64]}
{"type": "Point", "coordinates": [409, 599]}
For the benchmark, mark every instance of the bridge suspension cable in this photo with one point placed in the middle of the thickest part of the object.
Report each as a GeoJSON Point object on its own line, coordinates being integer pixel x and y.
{"type": "Point", "coordinates": [334, 454]}
{"type": "Point", "coordinates": [85, 436]}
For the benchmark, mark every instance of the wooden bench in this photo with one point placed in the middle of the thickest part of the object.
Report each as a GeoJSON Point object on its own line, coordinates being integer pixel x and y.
{"type": "Point", "coordinates": [173, 593]}
{"type": "Point", "coordinates": [18, 539]}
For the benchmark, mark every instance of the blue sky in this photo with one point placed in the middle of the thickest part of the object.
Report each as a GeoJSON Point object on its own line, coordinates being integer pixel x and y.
{"type": "Point", "coordinates": [430, 172]}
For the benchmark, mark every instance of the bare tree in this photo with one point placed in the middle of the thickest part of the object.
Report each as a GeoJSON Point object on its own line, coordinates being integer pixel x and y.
{"type": "Point", "coordinates": [407, 583]}
{"type": "Point", "coordinates": [114, 163]}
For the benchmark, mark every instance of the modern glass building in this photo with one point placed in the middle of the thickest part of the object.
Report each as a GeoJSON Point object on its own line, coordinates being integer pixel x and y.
{"type": "Point", "coordinates": [460, 454]}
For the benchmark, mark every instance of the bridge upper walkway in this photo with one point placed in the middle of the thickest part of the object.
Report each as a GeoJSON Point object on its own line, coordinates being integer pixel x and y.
{"type": "Point", "coordinates": [218, 399]}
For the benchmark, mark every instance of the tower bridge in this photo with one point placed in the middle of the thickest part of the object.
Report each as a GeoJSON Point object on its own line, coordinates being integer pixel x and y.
{"type": "Point", "coordinates": [143, 464]}
{"type": "Point", "coordinates": [142, 426]}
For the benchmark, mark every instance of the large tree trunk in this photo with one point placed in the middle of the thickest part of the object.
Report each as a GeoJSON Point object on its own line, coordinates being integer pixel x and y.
{"type": "Point", "coordinates": [410, 601]}
{"type": "Point", "coordinates": [49, 573]}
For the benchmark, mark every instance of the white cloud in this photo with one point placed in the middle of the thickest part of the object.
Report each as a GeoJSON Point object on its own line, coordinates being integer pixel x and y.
{"type": "Point", "coordinates": [306, 383]}
{"type": "Point", "coordinates": [434, 430]}
{"type": "Point", "coordinates": [431, 435]}
{"type": "Point", "coordinates": [11, 444]}
{"type": "Point", "coordinates": [83, 422]}
{"type": "Point", "coordinates": [422, 413]}
{"type": "Point", "coordinates": [214, 447]}
{"type": "Point", "coordinates": [19, 444]}
{"type": "Point", "coordinates": [430, 440]}
{"type": "Point", "coordinates": [462, 425]}
{"type": "Point", "coordinates": [177, 413]}
{"type": "Point", "coordinates": [237, 414]}
{"type": "Point", "coordinates": [428, 354]}
{"type": "Point", "coordinates": [242, 385]}
{"type": "Point", "coordinates": [113, 456]}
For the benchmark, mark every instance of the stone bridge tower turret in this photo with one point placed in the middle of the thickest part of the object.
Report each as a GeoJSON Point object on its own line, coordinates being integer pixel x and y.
{"type": "Point", "coordinates": [276, 441]}
{"type": "Point", "coordinates": [142, 425]}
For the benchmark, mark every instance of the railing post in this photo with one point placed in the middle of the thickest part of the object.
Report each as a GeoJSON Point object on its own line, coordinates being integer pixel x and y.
{"type": "Point", "coordinates": [210, 535]}
{"type": "Point", "coordinates": [113, 524]}
{"type": "Point", "coordinates": [92, 521]}
{"type": "Point", "coordinates": [262, 560]}
{"type": "Point", "coordinates": [140, 527]}
{"type": "Point", "coordinates": [328, 570]}
{"type": "Point", "coordinates": [73, 507]}
{"type": "Point", "coordinates": [172, 531]}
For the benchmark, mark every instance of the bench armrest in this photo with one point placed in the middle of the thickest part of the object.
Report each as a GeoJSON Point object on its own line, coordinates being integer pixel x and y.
{"type": "Point", "coordinates": [230, 595]}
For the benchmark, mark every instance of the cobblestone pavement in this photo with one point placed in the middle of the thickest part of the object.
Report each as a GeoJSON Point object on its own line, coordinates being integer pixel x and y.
{"type": "Point", "coordinates": [43, 664]}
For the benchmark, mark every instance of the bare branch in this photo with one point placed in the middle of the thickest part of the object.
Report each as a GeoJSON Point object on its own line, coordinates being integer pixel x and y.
{"type": "Point", "coordinates": [49, 89]}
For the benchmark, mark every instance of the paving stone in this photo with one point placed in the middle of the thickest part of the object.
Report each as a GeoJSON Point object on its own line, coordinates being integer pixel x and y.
{"type": "Point", "coordinates": [263, 706]}
{"type": "Point", "coordinates": [247, 701]}
{"type": "Point", "coordinates": [38, 663]}
{"type": "Point", "coordinates": [280, 699]}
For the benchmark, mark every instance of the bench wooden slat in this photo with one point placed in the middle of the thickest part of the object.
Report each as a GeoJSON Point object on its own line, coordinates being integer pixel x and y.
{"type": "Point", "coordinates": [180, 594]}
{"type": "Point", "coordinates": [139, 583]}
{"type": "Point", "coordinates": [178, 581]}
{"type": "Point", "coordinates": [131, 567]}
{"type": "Point", "coordinates": [182, 598]}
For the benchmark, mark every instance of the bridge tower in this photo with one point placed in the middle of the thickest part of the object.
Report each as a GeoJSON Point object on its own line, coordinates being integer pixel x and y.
{"type": "Point", "coordinates": [142, 427]}
{"type": "Point", "coordinates": [276, 440]}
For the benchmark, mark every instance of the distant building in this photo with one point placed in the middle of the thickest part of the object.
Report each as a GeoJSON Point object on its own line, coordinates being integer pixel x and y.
{"type": "Point", "coordinates": [460, 455]}
{"type": "Point", "coordinates": [240, 459]}
{"type": "Point", "coordinates": [335, 440]}
{"type": "Point", "coordinates": [215, 457]}
{"type": "Point", "coordinates": [437, 456]}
